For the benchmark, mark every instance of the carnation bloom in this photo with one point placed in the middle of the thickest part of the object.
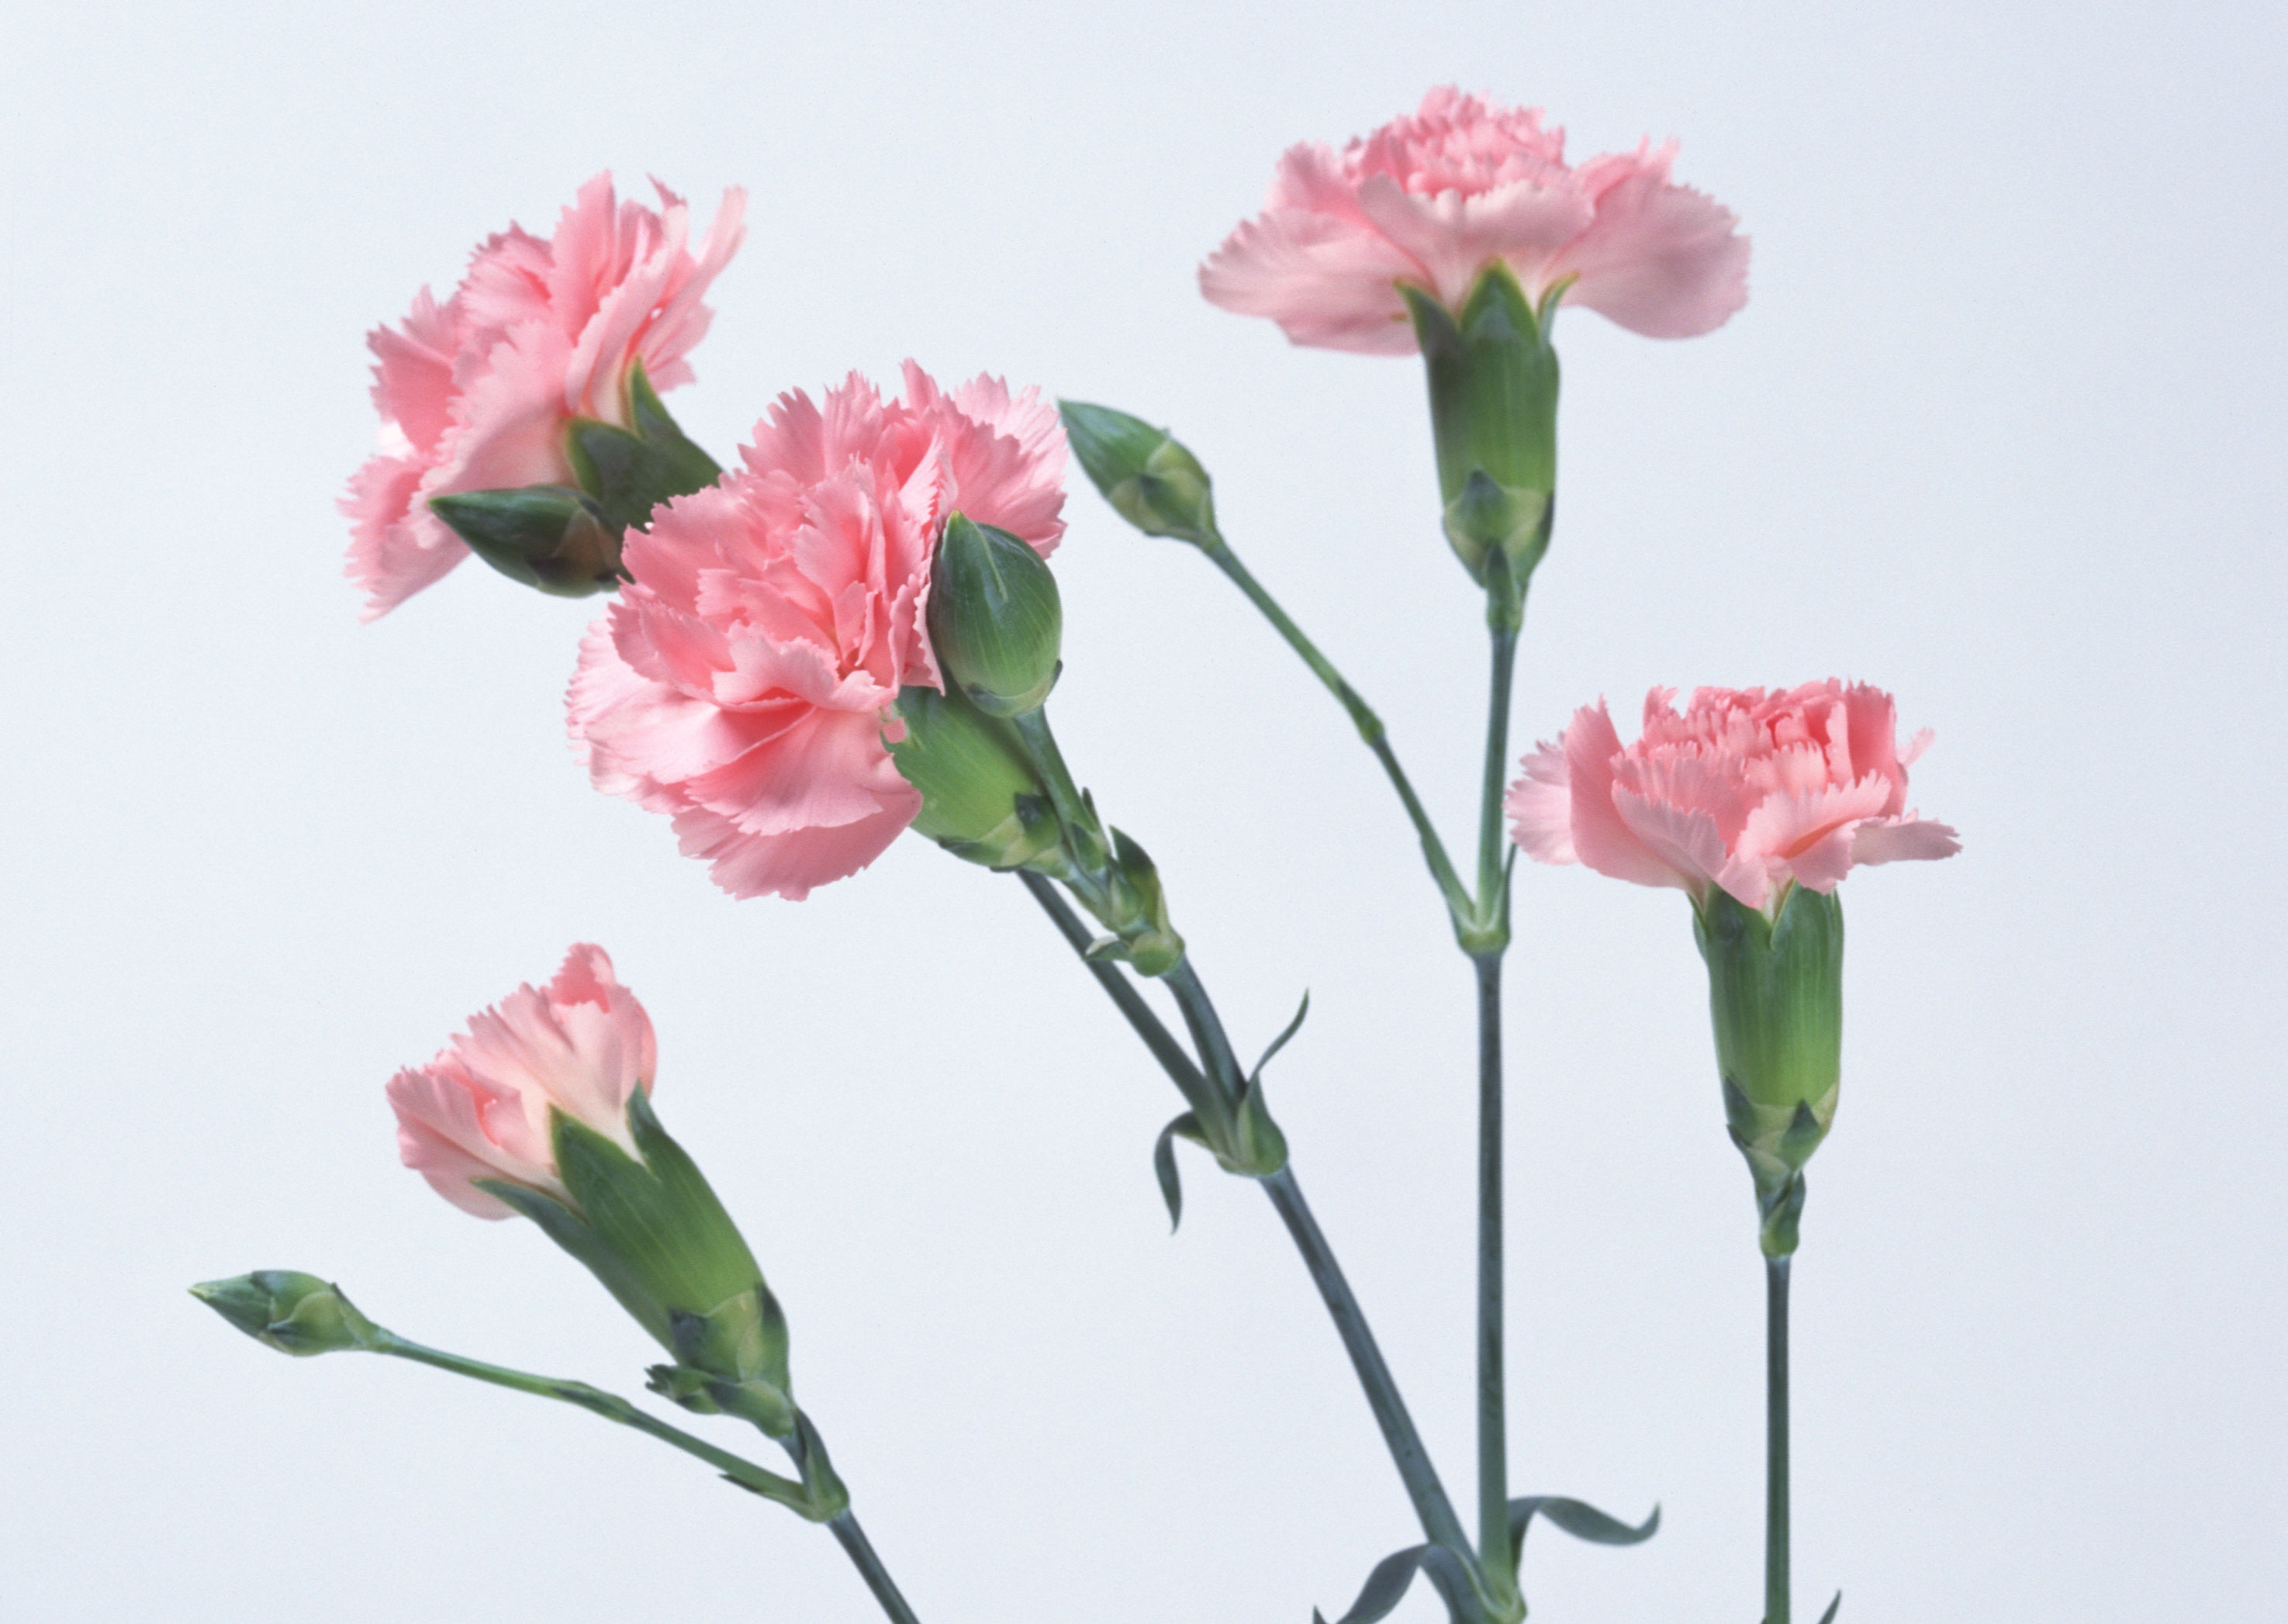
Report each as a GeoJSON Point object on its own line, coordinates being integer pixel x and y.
{"type": "Point", "coordinates": [1749, 789]}
{"type": "Point", "coordinates": [1433, 199]}
{"type": "Point", "coordinates": [581, 1045]}
{"type": "Point", "coordinates": [474, 394]}
{"type": "Point", "coordinates": [744, 679]}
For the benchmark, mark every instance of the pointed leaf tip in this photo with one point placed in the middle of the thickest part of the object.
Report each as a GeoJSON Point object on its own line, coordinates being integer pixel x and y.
{"type": "Point", "coordinates": [1829, 1616]}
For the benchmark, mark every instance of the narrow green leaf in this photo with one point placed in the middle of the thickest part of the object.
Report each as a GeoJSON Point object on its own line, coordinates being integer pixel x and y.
{"type": "Point", "coordinates": [1385, 1587]}
{"type": "Point", "coordinates": [1280, 1043]}
{"type": "Point", "coordinates": [1577, 1517]}
{"type": "Point", "coordinates": [1829, 1616]}
{"type": "Point", "coordinates": [1163, 1164]}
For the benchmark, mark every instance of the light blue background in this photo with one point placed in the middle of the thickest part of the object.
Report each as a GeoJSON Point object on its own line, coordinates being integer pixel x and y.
{"type": "Point", "coordinates": [2000, 430]}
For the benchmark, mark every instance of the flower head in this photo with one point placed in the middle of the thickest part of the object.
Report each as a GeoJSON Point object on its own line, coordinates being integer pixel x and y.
{"type": "Point", "coordinates": [482, 1108]}
{"type": "Point", "coordinates": [744, 680]}
{"type": "Point", "coordinates": [1747, 790]}
{"type": "Point", "coordinates": [474, 394]}
{"type": "Point", "coordinates": [1432, 200]}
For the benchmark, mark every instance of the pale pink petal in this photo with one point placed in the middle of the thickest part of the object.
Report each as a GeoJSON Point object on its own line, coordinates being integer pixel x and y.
{"type": "Point", "coordinates": [1326, 284]}
{"type": "Point", "coordinates": [790, 865]}
{"type": "Point", "coordinates": [1659, 259]}
{"type": "Point", "coordinates": [1604, 839]}
{"type": "Point", "coordinates": [1540, 805]}
{"type": "Point", "coordinates": [1671, 845]}
{"type": "Point", "coordinates": [1902, 840]}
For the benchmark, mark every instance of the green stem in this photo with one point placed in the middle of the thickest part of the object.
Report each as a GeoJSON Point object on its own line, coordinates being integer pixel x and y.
{"type": "Point", "coordinates": [1407, 1451]}
{"type": "Point", "coordinates": [612, 1407]}
{"type": "Point", "coordinates": [1777, 1604]}
{"type": "Point", "coordinates": [1493, 1416]}
{"type": "Point", "coordinates": [860, 1551]}
{"type": "Point", "coordinates": [1207, 1031]}
{"type": "Point", "coordinates": [1363, 717]}
{"type": "Point", "coordinates": [1503, 622]}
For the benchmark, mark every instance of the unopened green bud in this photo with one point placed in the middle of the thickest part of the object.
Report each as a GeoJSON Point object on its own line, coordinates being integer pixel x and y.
{"type": "Point", "coordinates": [547, 536]}
{"type": "Point", "coordinates": [995, 619]}
{"type": "Point", "coordinates": [293, 1313]}
{"type": "Point", "coordinates": [1776, 994]}
{"type": "Point", "coordinates": [1493, 415]}
{"type": "Point", "coordinates": [629, 471]}
{"type": "Point", "coordinates": [981, 797]}
{"type": "Point", "coordinates": [1146, 473]}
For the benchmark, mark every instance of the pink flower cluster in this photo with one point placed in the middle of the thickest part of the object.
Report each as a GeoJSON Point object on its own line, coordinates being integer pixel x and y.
{"type": "Point", "coordinates": [1749, 789]}
{"type": "Point", "coordinates": [474, 394]}
{"type": "Point", "coordinates": [1433, 199]}
{"type": "Point", "coordinates": [582, 1045]}
{"type": "Point", "coordinates": [744, 682]}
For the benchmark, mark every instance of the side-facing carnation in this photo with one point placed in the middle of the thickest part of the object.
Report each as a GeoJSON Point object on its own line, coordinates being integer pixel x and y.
{"type": "Point", "coordinates": [744, 681]}
{"type": "Point", "coordinates": [1434, 198]}
{"type": "Point", "coordinates": [474, 394]}
{"type": "Point", "coordinates": [1747, 790]}
{"type": "Point", "coordinates": [481, 1110]}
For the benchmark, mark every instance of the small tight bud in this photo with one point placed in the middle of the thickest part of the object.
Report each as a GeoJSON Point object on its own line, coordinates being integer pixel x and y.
{"type": "Point", "coordinates": [996, 621]}
{"type": "Point", "coordinates": [293, 1313]}
{"type": "Point", "coordinates": [1148, 475]}
{"type": "Point", "coordinates": [547, 536]}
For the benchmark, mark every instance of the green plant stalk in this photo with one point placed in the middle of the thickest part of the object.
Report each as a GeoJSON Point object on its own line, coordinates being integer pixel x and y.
{"type": "Point", "coordinates": [612, 1407]}
{"type": "Point", "coordinates": [1431, 1506]}
{"type": "Point", "coordinates": [1776, 1588]}
{"type": "Point", "coordinates": [1369, 726]}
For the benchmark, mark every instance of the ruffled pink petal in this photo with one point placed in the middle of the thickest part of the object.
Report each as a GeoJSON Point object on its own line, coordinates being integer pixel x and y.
{"type": "Point", "coordinates": [1680, 846]}
{"type": "Point", "coordinates": [1540, 805]}
{"type": "Point", "coordinates": [1908, 839]}
{"type": "Point", "coordinates": [1604, 837]}
{"type": "Point", "coordinates": [1326, 284]}
{"type": "Point", "coordinates": [790, 865]}
{"type": "Point", "coordinates": [1455, 235]}
{"type": "Point", "coordinates": [396, 548]}
{"type": "Point", "coordinates": [443, 1134]}
{"type": "Point", "coordinates": [413, 371]}
{"type": "Point", "coordinates": [827, 770]}
{"type": "Point", "coordinates": [1659, 259]}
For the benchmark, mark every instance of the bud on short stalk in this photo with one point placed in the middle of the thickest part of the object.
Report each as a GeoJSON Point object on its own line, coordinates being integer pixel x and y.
{"type": "Point", "coordinates": [1493, 415]}
{"type": "Point", "coordinates": [1775, 997]}
{"type": "Point", "coordinates": [1146, 473]}
{"type": "Point", "coordinates": [547, 536]}
{"type": "Point", "coordinates": [293, 1313]}
{"type": "Point", "coordinates": [995, 619]}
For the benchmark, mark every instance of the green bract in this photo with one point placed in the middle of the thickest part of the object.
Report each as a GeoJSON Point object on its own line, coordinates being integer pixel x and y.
{"type": "Point", "coordinates": [1146, 473]}
{"type": "Point", "coordinates": [1493, 415]}
{"type": "Point", "coordinates": [995, 619]}
{"type": "Point", "coordinates": [293, 1313]}
{"type": "Point", "coordinates": [981, 798]}
{"type": "Point", "coordinates": [1776, 995]}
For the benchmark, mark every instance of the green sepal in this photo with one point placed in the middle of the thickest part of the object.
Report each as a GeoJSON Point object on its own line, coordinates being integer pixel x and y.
{"type": "Point", "coordinates": [996, 619]}
{"type": "Point", "coordinates": [1163, 1163]}
{"type": "Point", "coordinates": [294, 1313]}
{"type": "Point", "coordinates": [629, 472]}
{"type": "Point", "coordinates": [1148, 475]}
{"type": "Point", "coordinates": [1493, 379]}
{"type": "Point", "coordinates": [983, 799]}
{"type": "Point", "coordinates": [549, 537]}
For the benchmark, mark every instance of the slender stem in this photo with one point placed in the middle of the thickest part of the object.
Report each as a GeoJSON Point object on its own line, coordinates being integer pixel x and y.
{"type": "Point", "coordinates": [1493, 1417]}
{"type": "Point", "coordinates": [1776, 1441]}
{"type": "Point", "coordinates": [1206, 1028]}
{"type": "Point", "coordinates": [853, 1540]}
{"type": "Point", "coordinates": [1503, 625]}
{"type": "Point", "coordinates": [1382, 1396]}
{"type": "Point", "coordinates": [743, 1472]}
{"type": "Point", "coordinates": [1407, 1451]}
{"type": "Point", "coordinates": [1363, 717]}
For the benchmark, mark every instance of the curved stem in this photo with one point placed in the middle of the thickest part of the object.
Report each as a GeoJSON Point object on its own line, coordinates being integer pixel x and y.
{"type": "Point", "coordinates": [1407, 1451]}
{"type": "Point", "coordinates": [1363, 717]}
{"type": "Point", "coordinates": [1776, 1588]}
{"type": "Point", "coordinates": [612, 1407]}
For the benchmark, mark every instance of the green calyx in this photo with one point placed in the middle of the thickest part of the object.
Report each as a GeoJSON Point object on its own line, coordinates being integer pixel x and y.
{"type": "Point", "coordinates": [628, 471]}
{"type": "Point", "coordinates": [650, 1229]}
{"type": "Point", "coordinates": [981, 798]}
{"type": "Point", "coordinates": [1775, 998]}
{"type": "Point", "coordinates": [547, 536]}
{"type": "Point", "coordinates": [293, 1313]}
{"type": "Point", "coordinates": [1493, 413]}
{"type": "Point", "coordinates": [1148, 475]}
{"type": "Point", "coordinates": [996, 621]}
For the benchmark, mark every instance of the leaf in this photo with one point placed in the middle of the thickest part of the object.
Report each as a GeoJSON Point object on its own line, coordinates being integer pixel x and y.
{"type": "Point", "coordinates": [1280, 1043]}
{"type": "Point", "coordinates": [1581, 1520]}
{"type": "Point", "coordinates": [1393, 1575]}
{"type": "Point", "coordinates": [1163, 1164]}
{"type": "Point", "coordinates": [1829, 1616]}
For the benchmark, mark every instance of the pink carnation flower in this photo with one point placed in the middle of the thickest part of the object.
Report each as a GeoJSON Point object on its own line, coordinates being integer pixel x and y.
{"type": "Point", "coordinates": [1434, 199]}
{"type": "Point", "coordinates": [582, 1045]}
{"type": "Point", "coordinates": [744, 681]}
{"type": "Point", "coordinates": [1748, 790]}
{"type": "Point", "coordinates": [474, 394]}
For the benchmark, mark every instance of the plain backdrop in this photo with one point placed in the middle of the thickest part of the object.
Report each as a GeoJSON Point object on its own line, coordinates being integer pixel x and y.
{"type": "Point", "coordinates": [2000, 429]}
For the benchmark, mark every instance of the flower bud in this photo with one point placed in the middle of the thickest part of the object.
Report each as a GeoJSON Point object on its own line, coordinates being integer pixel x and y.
{"type": "Point", "coordinates": [1493, 415]}
{"type": "Point", "coordinates": [627, 472]}
{"type": "Point", "coordinates": [981, 798]}
{"type": "Point", "coordinates": [1146, 473]}
{"type": "Point", "coordinates": [293, 1313]}
{"type": "Point", "coordinates": [1775, 997]}
{"type": "Point", "coordinates": [995, 618]}
{"type": "Point", "coordinates": [547, 536]}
